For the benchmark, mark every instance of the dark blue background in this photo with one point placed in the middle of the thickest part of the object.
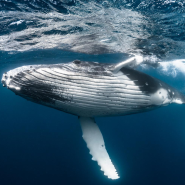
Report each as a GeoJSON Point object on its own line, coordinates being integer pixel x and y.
{"type": "Point", "coordinates": [43, 146]}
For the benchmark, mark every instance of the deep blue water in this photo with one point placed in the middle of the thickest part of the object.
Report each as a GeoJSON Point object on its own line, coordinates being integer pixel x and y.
{"type": "Point", "coordinates": [40, 145]}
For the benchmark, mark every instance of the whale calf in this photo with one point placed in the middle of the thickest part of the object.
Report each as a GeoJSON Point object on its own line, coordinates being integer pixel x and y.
{"type": "Point", "coordinates": [91, 89]}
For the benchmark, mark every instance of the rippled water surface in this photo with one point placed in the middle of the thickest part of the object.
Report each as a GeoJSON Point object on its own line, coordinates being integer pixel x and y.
{"type": "Point", "coordinates": [145, 27]}
{"type": "Point", "coordinates": [44, 146]}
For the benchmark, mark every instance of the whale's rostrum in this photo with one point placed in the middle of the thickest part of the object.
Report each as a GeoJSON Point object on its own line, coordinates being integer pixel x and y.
{"type": "Point", "coordinates": [91, 89]}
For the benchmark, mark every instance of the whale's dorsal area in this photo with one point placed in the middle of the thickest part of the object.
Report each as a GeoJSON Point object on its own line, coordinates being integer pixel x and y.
{"type": "Point", "coordinates": [91, 89]}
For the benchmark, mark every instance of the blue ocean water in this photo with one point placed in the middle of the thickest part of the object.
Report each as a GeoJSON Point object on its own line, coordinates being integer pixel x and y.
{"type": "Point", "coordinates": [43, 146]}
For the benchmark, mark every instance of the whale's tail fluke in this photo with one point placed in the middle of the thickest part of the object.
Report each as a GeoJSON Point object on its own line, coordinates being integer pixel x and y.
{"type": "Point", "coordinates": [95, 142]}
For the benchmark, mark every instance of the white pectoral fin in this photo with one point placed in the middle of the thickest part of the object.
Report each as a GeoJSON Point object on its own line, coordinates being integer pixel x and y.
{"type": "Point", "coordinates": [123, 64]}
{"type": "Point", "coordinates": [133, 61]}
{"type": "Point", "coordinates": [94, 140]}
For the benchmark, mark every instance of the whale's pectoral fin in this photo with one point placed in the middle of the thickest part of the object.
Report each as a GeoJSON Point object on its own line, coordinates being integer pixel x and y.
{"type": "Point", "coordinates": [131, 62]}
{"type": "Point", "coordinates": [94, 140]}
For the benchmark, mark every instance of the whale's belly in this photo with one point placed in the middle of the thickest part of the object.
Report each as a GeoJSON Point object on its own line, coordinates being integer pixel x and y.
{"type": "Point", "coordinates": [81, 93]}
{"type": "Point", "coordinates": [98, 95]}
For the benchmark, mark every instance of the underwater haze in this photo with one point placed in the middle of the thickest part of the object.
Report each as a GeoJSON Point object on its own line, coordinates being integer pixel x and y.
{"type": "Point", "coordinates": [43, 146]}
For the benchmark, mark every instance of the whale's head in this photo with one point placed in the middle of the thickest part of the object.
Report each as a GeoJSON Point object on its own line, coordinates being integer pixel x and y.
{"type": "Point", "coordinates": [16, 80]}
{"type": "Point", "coordinates": [31, 83]}
{"type": "Point", "coordinates": [13, 78]}
{"type": "Point", "coordinates": [22, 82]}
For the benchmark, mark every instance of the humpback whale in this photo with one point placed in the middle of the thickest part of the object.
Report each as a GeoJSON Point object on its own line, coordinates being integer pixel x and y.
{"type": "Point", "coordinates": [89, 90]}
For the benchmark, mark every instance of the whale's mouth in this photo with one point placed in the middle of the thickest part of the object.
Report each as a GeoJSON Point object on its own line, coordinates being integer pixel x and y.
{"type": "Point", "coordinates": [8, 81]}
{"type": "Point", "coordinates": [11, 78]}
{"type": "Point", "coordinates": [32, 85]}
{"type": "Point", "coordinates": [19, 81]}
